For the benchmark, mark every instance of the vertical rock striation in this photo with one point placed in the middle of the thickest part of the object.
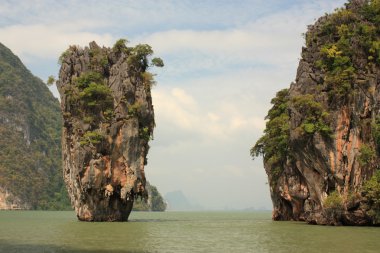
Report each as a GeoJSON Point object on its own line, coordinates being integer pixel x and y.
{"type": "Point", "coordinates": [321, 143]}
{"type": "Point", "coordinates": [108, 121]}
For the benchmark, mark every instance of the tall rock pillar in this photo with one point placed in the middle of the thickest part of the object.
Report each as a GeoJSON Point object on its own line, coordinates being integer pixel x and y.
{"type": "Point", "coordinates": [108, 122]}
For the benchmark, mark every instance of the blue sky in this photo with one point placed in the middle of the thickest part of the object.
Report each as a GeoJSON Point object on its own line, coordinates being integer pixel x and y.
{"type": "Point", "coordinates": [224, 61]}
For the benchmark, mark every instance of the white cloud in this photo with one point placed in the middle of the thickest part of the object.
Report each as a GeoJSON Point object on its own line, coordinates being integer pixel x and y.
{"type": "Point", "coordinates": [49, 41]}
{"type": "Point", "coordinates": [271, 41]}
{"type": "Point", "coordinates": [177, 108]}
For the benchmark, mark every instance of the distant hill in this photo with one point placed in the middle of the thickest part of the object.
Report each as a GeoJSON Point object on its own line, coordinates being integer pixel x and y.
{"type": "Point", "coordinates": [155, 201]}
{"type": "Point", "coordinates": [30, 140]}
{"type": "Point", "coordinates": [177, 201]}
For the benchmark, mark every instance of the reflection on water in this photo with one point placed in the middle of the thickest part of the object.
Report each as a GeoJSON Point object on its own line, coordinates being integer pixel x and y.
{"type": "Point", "coordinates": [177, 232]}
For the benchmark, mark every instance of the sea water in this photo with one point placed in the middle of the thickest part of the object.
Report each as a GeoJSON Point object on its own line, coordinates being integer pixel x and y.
{"type": "Point", "coordinates": [43, 231]}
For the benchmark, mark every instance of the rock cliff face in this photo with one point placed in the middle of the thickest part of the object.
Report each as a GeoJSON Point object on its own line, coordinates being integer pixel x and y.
{"type": "Point", "coordinates": [155, 202]}
{"type": "Point", "coordinates": [10, 202]}
{"type": "Point", "coordinates": [321, 143]}
{"type": "Point", "coordinates": [30, 133]}
{"type": "Point", "coordinates": [108, 121]}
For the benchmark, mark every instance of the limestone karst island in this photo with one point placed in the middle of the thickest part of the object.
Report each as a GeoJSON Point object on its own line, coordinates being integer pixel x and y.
{"type": "Point", "coordinates": [321, 143]}
{"type": "Point", "coordinates": [108, 121]}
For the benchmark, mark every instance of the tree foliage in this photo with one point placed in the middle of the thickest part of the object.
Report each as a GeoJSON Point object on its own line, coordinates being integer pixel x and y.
{"type": "Point", "coordinates": [91, 137]}
{"type": "Point", "coordinates": [333, 205]}
{"type": "Point", "coordinates": [371, 191]}
{"type": "Point", "coordinates": [334, 201]}
{"type": "Point", "coordinates": [366, 155]}
{"type": "Point", "coordinates": [158, 62]}
{"type": "Point", "coordinates": [120, 45]}
{"type": "Point", "coordinates": [348, 41]}
{"type": "Point", "coordinates": [157, 202]}
{"type": "Point", "coordinates": [50, 81]}
{"type": "Point", "coordinates": [90, 97]}
{"type": "Point", "coordinates": [97, 97]}
{"type": "Point", "coordinates": [314, 116]}
{"type": "Point", "coordinates": [86, 78]}
{"type": "Point", "coordinates": [274, 144]}
{"type": "Point", "coordinates": [375, 128]}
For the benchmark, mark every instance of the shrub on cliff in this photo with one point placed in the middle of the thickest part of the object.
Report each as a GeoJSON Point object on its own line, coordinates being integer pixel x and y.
{"type": "Point", "coordinates": [371, 191]}
{"type": "Point", "coordinates": [91, 137]}
{"type": "Point", "coordinates": [120, 45]}
{"type": "Point", "coordinates": [97, 96]}
{"type": "Point", "coordinates": [348, 43]}
{"type": "Point", "coordinates": [315, 117]}
{"type": "Point", "coordinates": [273, 145]}
{"type": "Point", "coordinates": [375, 127]}
{"type": "Point", "coordinates": [333, 201]}
{"type": "Point", "coordinates": [366, 155]}
{"type": "Point", "coordinates": [86, 78]}
{"type": "Point", "coordinates": [333, 206]}
{"type": "Point", "coordinates": [157, 202]}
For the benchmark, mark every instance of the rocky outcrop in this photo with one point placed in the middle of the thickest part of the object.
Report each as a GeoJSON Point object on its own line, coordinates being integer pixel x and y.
{"type": "Point", "coordinates": [108, 122]}
{"type": "Point", "coordinates": [10, 202]}
{"type": "Point", "coordinates": [30, 146]}
{"type": "Point", "coordinates": [155, 202]}
{"type": "Point", "coordinates": [320, 169]}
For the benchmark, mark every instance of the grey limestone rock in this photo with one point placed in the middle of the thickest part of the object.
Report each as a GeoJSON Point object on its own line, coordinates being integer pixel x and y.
{"type": "Point", "coordinates": [108, 122]}
{"type": "Point", "coordinates": [320, 164]}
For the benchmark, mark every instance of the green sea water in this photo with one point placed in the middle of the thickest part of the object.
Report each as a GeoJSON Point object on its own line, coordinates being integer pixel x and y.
{"type": "Point", "coordinates": [42, 231]}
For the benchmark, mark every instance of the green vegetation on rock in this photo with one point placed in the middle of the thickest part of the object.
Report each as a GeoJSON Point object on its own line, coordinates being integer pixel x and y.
{"type": "Point", "coordinates": [315, 118]}
{"type": "Point", "coordinates": [322, 136]}
{"type": "Point", "coordinates": [274, 144]}
{"type": "Point", "coordinates": [334, 205]}
{"type": "Point", "coordinates": [86, 78]}
{"type": "Point", "coordinates": [349, 44]}
{"type": "Point", "coordinates": [91, 95]}
{"type": "Point", "coordinates": [375, 128]}
{"type": "Point", "coordinates": [371, 191]}
{"type": "Point", "coordinates": [156, 202]}
{"type": "Point", "coordinates": [108, 123]}
{"type": "Point", "coordinates": [97, 97]}
{"type": "Point", "coordinates": [30, 137]}
{"type": "Point", "coordinates": [334, 201]}
{"type": "Point", "coordinates": [91, 137]}
{"type": "Point", "coordinates": [366, 155]}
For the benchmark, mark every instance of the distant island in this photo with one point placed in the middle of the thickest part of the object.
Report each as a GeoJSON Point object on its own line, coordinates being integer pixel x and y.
{"type": "Point", "coordinates": [177, 201]}
{"type": "Point", "coordinates": [155, 202]}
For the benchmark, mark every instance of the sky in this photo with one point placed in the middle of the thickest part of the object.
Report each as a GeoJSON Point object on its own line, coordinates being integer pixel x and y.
{"type": "Point", "coordinates": [224, 61]}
